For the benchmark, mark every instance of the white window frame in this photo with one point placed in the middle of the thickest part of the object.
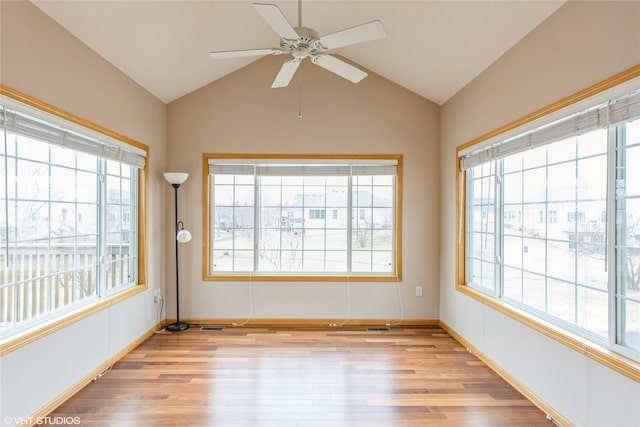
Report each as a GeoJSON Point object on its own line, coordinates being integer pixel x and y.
{"type": "Point", "coordinates": [301, 165]}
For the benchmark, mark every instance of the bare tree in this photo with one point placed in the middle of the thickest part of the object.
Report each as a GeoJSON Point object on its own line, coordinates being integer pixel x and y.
{"type": "Point", "coordinates": [363, 232]}
{"type": "Point", "coordinates": [632, 254]}
{"type": "Point", "coordinates": [632, 273]}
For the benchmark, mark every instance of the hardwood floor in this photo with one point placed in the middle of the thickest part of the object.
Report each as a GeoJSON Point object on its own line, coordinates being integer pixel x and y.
{"type": "Point", "coordinates": [343, 376]}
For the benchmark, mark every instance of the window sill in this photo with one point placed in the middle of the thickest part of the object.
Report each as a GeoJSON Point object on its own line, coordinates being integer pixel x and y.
{"type": "Point", "coordinates": [285, 278]}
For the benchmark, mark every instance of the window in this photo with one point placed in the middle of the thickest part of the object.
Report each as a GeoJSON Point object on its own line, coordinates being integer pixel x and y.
{"type": "Point", "coordinates": [267, 217]}
{"type": "Point", "coordinates": [480, 214]}
{"type": "Point", "coordinates": [552, 218]}
{"type": "Point", "coordinates": [316, 213]}
{"type": "Point", "coordinates": [65, 191]}
{"type": "Point", "coordinates": [575, 216]}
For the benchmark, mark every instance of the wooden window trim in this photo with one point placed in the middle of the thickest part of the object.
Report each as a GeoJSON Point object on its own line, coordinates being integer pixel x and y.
{"type": "Point", "coordinates": [206, 221]}
{"type": "Point", "coordinates": [619, 363]}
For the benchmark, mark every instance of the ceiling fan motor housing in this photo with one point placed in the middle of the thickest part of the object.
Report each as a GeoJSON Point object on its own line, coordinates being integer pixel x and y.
{"type": "Point", "coordinates": [307, 44]}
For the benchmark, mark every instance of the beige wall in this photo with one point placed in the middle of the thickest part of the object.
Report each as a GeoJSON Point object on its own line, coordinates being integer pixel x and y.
{"type": "Point", "coordinates": [581, 44]}
{"type": "Point", "coordinates": [242, 114]}
{"type": "Point", "coordinates": [44, 61]}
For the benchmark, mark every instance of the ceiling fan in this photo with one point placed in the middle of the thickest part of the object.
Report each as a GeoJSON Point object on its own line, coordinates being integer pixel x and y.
{"type": "Point", "coordinates": [302, 42]}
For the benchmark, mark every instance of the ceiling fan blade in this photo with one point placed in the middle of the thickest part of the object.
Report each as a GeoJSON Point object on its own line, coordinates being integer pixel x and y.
{"type": "Point", "coordinates": [286, 73]}
{"type": "Point", "coordinates": [362, 33]}
{"type": "Point", "coordinates": [242, 53]}
{"type": "Point", "coordinates": [339, 67]}
{"type": "Point", "coordinates": [274, 17]}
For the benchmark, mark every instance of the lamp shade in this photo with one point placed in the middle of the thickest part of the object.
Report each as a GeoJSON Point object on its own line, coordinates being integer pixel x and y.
{"type": "Point", "coordinates": [176, 177]}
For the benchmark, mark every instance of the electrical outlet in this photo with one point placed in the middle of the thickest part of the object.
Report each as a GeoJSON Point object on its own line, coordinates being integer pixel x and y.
{"type": "Point", "coordinates": [418, 291]}
{"type": "Point", "coordinates": [157, 296]}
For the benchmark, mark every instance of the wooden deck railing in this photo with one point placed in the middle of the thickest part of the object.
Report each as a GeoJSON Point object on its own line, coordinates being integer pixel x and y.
{"type": "Point", "coordinates": [37, 279]}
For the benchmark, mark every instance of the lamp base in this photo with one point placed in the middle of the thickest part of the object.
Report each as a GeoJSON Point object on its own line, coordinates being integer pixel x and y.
{"type": "Point", "coordinates": [177, 326]}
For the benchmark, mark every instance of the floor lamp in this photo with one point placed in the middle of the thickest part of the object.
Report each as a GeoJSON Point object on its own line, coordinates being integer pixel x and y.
{"type": "Point", "coordinates": [182, 236]}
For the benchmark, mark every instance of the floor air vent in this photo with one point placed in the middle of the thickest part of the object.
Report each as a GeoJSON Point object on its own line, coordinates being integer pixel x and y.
{"type": "Point", "coordinates": [382, 329]}
{"type": "Point", "coordinates": [212, 328]}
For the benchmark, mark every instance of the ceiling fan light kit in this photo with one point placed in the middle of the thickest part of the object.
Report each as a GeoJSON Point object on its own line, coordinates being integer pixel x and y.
{"type": "Point", "coordinates": [302, 42]}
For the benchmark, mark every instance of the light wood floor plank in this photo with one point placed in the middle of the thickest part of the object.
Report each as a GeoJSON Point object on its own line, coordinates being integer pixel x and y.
{"type": "Point", "coordinates": [302, 377]}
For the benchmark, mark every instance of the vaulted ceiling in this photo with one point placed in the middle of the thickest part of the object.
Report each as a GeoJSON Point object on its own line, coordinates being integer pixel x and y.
{"type": "Point", "coordinates": [433, 48]}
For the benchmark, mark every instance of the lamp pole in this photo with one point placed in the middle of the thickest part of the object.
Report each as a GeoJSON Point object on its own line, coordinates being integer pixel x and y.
{"type": "Point", "coordinates": [176, 180]}
{"type": "Point", "coordinates": [178, 325]}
